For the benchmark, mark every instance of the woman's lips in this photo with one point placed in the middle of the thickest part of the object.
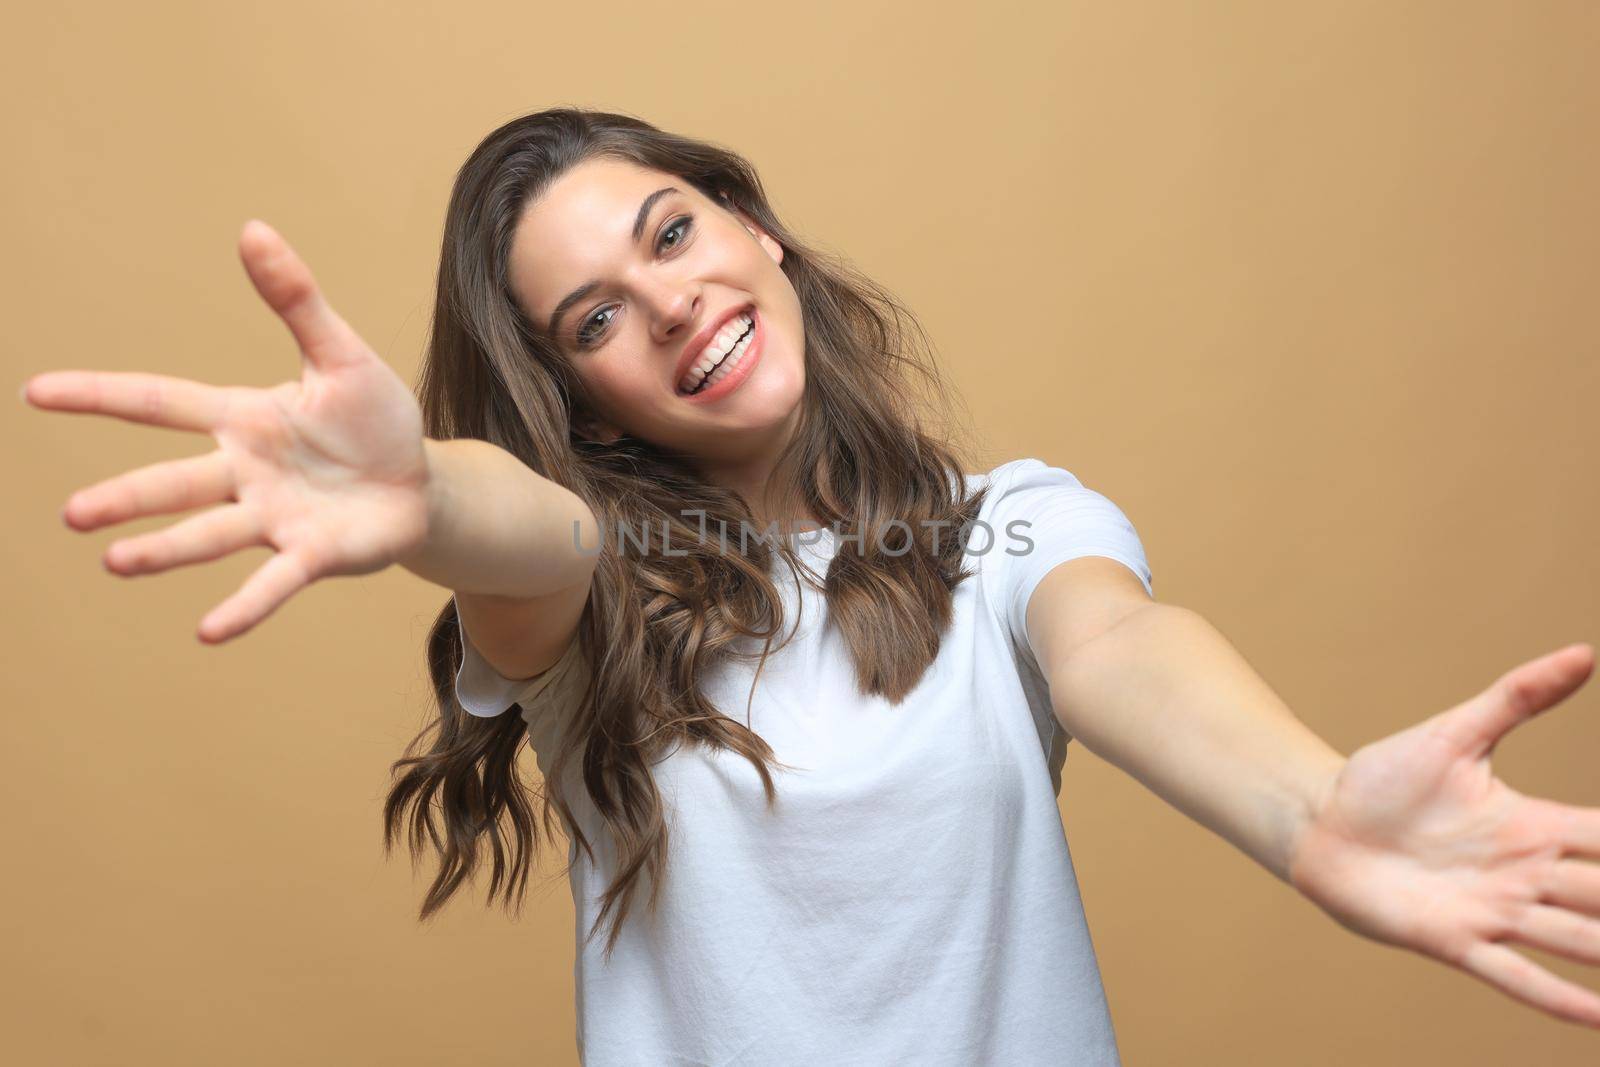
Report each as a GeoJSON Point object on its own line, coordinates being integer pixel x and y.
{"type": "Point", "coordinates": [731, 381]}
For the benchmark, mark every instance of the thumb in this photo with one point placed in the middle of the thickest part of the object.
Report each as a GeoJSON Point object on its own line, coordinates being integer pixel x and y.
{"type": "Point", "coordinates": [286, 284]}
{"type": "Point", "coordinates": [1478, 724]}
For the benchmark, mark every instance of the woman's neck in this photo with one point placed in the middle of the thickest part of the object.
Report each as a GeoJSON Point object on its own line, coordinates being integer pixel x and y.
{"type": "Point", "coordinates": [750, 476]}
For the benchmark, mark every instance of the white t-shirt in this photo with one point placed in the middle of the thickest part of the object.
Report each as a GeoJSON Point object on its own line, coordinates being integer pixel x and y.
{"type": "Point", "coordinates": [912, 900]}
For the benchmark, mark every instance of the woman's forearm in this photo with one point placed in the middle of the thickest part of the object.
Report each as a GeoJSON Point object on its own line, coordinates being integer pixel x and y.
{"type": "Point", "coordinates": [1165, 696]}
{"type": "Point", "coordinates": [496, 527]}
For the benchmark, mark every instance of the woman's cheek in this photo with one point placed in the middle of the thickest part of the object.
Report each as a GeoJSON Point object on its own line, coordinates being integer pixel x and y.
{"type": "Point", "coordinates": [628, 391]}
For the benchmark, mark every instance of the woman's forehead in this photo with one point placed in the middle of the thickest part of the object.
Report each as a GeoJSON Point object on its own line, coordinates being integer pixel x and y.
{"type": "Point", "coordinates": [586, 221]}
{"type": "Point", "coordinates": [596, 193]}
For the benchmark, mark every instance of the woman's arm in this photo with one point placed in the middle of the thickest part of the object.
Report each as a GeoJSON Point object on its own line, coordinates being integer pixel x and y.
{"type": "Point", "coordinates": [1159, 692]}
{"type": "Point", "coordinates": [503, 538]}
{"type": "Point", "coordinates": [496, 528]}
{"type": "Point", "coordinates": [1410, 841]}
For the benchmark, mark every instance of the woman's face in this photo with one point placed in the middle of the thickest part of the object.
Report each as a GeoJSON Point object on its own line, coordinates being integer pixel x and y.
{"type": "Point", "coordinates": [670, 271]}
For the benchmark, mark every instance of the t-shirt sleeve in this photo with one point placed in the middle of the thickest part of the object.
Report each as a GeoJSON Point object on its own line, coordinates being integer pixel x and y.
{"type": "Point", "coordinates": [485, 692]}
{"type": "Point", "coordinates": [1042, 516]}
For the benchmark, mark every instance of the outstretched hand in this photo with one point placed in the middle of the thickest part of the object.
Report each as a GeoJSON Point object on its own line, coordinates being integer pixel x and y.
{"type": "Point", "coordinates": [329, 471]}
{"type": "Point", "coordinates": [1417, 844]}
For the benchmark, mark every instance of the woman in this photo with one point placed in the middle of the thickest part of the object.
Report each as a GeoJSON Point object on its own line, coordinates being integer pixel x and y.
{"type": "Point", "coordinates": [642, 394]}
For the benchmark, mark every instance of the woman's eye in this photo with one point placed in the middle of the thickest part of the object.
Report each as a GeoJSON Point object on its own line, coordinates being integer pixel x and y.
{"type": "Point", "coordinates": [686, 221]}
{"type": "Point", "coordinates": [585, 335]}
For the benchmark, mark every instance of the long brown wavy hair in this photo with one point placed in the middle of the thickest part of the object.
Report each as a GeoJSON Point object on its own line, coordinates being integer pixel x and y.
{"type": "Point", "coordinates": [869, 454]}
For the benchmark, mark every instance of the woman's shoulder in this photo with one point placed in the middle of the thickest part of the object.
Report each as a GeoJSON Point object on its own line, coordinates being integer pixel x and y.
{"type": "Point", "coordinates": [1021, 473]}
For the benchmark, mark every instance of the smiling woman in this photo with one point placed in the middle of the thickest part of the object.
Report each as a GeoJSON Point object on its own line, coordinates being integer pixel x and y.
{"type": "Point", "coordinates": [620, 309]}
{"type": "Point", "coordinates": [871, 866]}
{"type": "Point", "coordinates": [596, 270]}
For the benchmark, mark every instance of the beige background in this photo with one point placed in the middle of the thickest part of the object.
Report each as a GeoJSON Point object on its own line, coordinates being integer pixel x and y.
{"type": "Point", "coordinates": [1307, 289]}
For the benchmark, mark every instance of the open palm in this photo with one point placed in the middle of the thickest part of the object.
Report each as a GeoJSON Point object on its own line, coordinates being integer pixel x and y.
{"type": "Point", "coordinates": [329, 471]}
{"type": "Point", "coordinates": [1419, 845]}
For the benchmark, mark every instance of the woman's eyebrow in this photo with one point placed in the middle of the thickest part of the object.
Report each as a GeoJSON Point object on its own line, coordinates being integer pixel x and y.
{"type": "Point", "coordinates": [586, 288]}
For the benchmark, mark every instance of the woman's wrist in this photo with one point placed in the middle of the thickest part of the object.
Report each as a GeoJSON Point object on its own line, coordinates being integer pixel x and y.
{"type": "Point", "coordinates": [423, 558]}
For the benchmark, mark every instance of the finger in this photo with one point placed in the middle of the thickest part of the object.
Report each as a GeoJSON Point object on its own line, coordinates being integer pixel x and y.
{"type": "Point", "coordinates": [1516, 696]}
{"type": "Point", "coordinates": [209, 535]}
{"type": "Point", "coordinates": [273, 582]}
{"type": "Point", "coordinates": [1573, 884]}
{"type": "Point", "coordinates": [159, 489]}
{"type": "Point", "coordinates": [1580, 829]}
{"type": "Point", "coordinates": [288, 287]}
{"type": "Point", "coordinates": [1558, 930]}
{"type": "Point", "coordinates": [1513, 973]}
{"type": "Point", "coordinates": [152, 399]}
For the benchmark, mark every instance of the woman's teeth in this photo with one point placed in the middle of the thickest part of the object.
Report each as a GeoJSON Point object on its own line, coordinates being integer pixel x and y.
{"type": "Point", "coordinates": [732, 343]}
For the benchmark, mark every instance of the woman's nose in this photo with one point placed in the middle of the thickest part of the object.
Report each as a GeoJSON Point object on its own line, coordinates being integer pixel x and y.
{"type": "Point", "coordinates": [672, 313]}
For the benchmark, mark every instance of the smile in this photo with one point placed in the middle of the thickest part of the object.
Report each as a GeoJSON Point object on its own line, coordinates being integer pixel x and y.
{"type": "Point", "coordinates": [734, 353]}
